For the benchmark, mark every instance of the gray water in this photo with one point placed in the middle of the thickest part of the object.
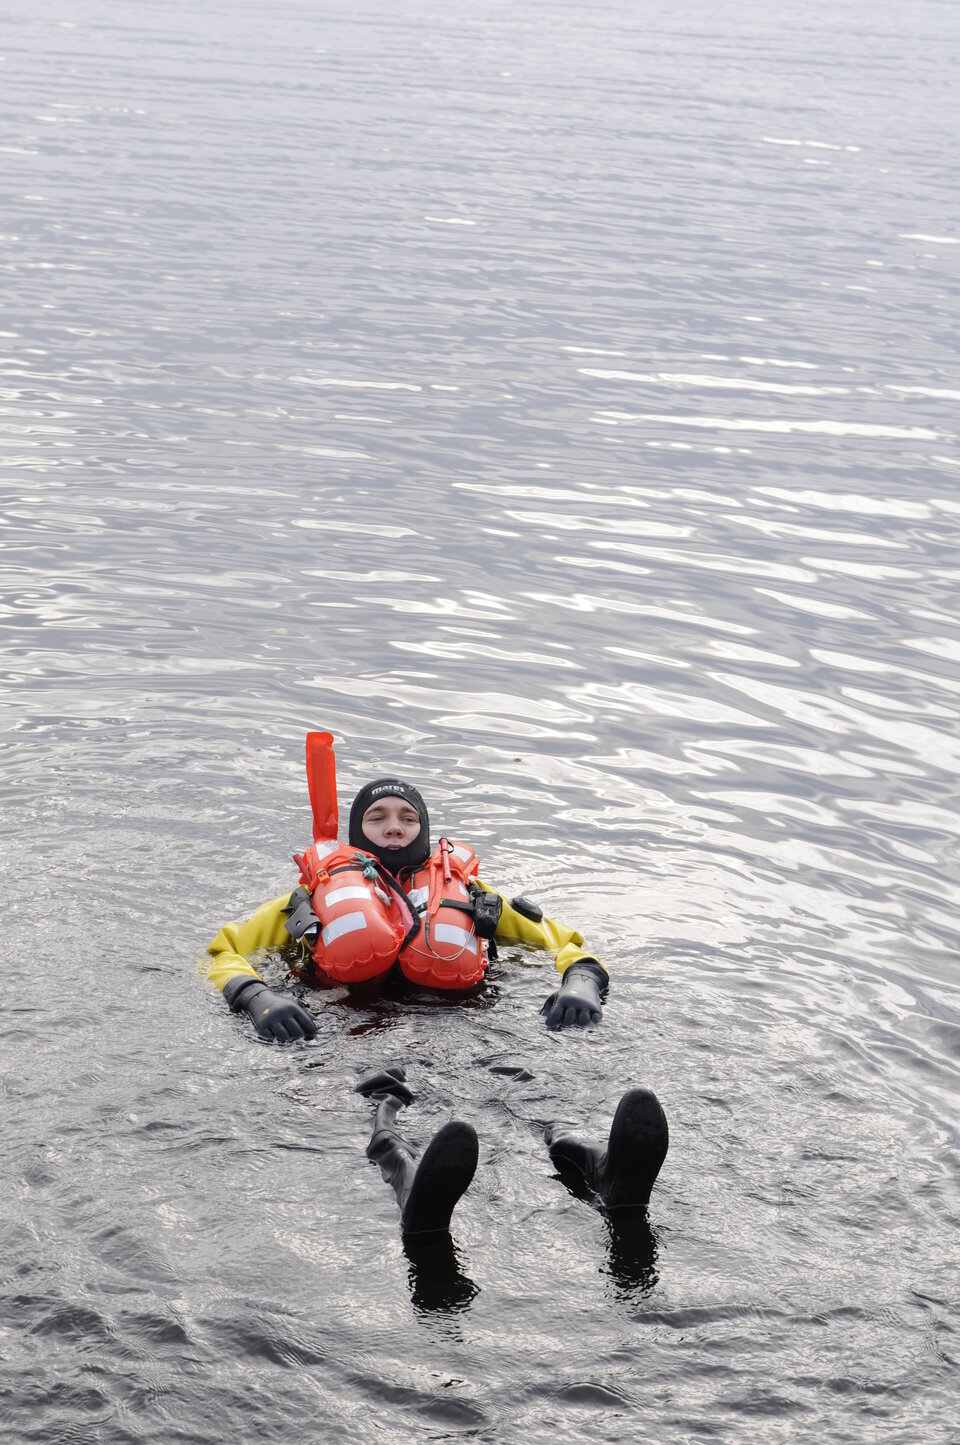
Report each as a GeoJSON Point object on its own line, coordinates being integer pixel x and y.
{"type": "Point", "coordinates": [558, 404]}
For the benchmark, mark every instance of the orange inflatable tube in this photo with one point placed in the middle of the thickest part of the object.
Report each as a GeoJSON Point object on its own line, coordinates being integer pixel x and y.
{"type": "Point", "coordinates": [362, 925]}
{"type": "Point", "coordinates": [445, 952]}
{"type": "Point", "coordinates": [322, 785]}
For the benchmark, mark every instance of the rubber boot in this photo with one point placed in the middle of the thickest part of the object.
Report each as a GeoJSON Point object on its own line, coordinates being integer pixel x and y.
{"type": "Point", "coordinates": [427, 1190]}
{"type": "Point", "coordinates": [386, 1081]}
{"type": "Point", "coordinates": [624, 1173]}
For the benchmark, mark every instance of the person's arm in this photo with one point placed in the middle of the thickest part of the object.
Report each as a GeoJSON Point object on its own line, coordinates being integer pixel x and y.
{"type": "Point", "coordinates": [583, 977]}
{"type": "Point", "coordinates": [274, 1016]}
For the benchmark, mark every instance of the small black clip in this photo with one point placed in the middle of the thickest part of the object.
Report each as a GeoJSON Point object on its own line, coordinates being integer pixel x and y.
{"type": "Point", "coordinates": [302, 922]}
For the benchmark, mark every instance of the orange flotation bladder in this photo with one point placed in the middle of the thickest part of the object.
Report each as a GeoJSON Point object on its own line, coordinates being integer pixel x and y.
{"type": "Point", "coordinates": [363, 920]}
{"type": "Point", "coordinates": [445, 952]}
{"type": "Point", "coordinates": [367, 922]}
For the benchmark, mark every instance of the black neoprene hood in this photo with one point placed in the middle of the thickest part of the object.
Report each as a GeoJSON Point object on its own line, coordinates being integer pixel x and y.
{"type": "Point", "coordinates": [395, 860]}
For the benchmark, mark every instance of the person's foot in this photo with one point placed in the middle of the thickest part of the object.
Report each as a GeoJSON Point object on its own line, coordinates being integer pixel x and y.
{"type": "Point", "coordinates": [624, 1173]}
{"type": "Point", "coordinates": [384, 1082]}
{"type": "Point", "coordinates": [636, 1149]}
{"type": "Point", "coordinates": [442, 1175]}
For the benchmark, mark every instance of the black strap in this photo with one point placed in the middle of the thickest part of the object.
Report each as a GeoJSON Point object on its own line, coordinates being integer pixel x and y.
{"type": "Point", "coordinates": [452, 903]}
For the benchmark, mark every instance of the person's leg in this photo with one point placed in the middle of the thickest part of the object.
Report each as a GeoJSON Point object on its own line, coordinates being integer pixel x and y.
{"type": "Point", "coordinates": [387, 1148]}
{"type": "Point", "coordinates": [426, 1189]}
{"type": "Point", "coordinates": [623, 1173]}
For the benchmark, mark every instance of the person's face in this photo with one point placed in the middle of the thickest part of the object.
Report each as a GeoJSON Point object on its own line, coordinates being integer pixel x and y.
{"type": "Point", "coordinates": [391, 823]}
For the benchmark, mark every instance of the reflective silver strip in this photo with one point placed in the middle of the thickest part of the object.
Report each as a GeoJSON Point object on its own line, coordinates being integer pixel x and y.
{"type": "Point", "coordinates": [447, 933]}
{"type": "Point", "coordinates": [340, 895]}
{"type": "Point", "coordinates": [349, 923]}
{"type": "Point", "coordinates": [460, 852]}
{"type": "Point", "coordinates": [325, 846]}
{"type": "Point", "coordinates": [464, 892]}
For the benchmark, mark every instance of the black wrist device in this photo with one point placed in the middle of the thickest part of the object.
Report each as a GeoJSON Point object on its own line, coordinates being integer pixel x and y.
{"type": "Point", "coordinates": [487, 908]}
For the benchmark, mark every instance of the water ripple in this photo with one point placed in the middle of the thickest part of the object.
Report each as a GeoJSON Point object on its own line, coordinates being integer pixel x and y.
{"type": "Point", "coordinates": [559, 406]}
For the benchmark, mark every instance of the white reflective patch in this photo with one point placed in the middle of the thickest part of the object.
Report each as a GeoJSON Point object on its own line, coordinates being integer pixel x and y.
{"type": "Point", "coordinates": [418, 896]}
{"type": "Point", "coordinates": [447, 933]}
{"type": "Point", "coordinates": [325, 846]}
{"type": "Point", "coordinates": [349, 923]}
{"type": "Point", "coordinates": [463, 853]}
{"type": "Point", "coordinates": [464, 892]}
{"type": "Point", "coordinates": [340, 895]}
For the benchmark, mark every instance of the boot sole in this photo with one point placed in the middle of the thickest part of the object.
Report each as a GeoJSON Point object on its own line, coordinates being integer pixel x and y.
{"type": "Point", "coordinates": [639, 1139]}
{"type": "Point", "coordinates": [445, 1170]}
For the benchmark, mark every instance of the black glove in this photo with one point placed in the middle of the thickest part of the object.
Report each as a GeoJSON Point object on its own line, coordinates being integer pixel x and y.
{"type": "Point", "coordinates": [274, 1016]}
{"type": "Point", "coordinates": [577, 1000]}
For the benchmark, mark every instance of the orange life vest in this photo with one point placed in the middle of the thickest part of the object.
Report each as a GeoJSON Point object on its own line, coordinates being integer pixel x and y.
{"type": "Point", "coordinates": [368, 922]}
{"type": "Point", "coordinates": [445, 952]}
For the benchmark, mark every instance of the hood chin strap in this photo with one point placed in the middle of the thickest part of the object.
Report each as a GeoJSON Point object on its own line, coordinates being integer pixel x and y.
{"type": "Point", "coordinates": [396, 860]}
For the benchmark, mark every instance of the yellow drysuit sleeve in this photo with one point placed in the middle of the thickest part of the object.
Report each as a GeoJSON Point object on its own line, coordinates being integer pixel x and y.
{"type": "Point", "coordinates": [564, 943]}
{"type": "Point", "coordinates": [231, 949]}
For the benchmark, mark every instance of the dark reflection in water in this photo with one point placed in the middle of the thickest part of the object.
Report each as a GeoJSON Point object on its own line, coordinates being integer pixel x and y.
{"type": "Point", "coordinates": [632, 1243]}
{"type": "Point", "coordinates": [393, 1003]}
{"type": "Point", "coordinates": [437, 1279]}
{"type": "Point", "coordinates": [632, 1247]}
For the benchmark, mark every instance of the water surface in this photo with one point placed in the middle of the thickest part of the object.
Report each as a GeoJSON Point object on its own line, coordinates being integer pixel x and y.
{"type": "Point", "coordinates": [558, 405]}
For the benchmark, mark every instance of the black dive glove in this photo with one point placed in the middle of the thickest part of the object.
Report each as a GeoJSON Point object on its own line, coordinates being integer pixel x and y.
{"type": "Point", "coordinates": [274, 1016]}
{"type": "Point", "coordinates": [577, 1000]}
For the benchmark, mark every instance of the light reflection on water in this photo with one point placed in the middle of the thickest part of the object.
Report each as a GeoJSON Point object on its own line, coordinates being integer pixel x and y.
{"type": "Point", "coordinates": [558, 407]}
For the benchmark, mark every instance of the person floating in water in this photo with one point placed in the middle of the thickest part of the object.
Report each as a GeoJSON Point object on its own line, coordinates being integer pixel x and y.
{"type": "Point", "coordinates": [386, 900]}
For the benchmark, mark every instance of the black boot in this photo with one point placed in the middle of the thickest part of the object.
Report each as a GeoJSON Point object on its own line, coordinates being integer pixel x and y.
{"type": "Point", "coordinates": [445, 1170]}
{"type": "Point", "coordinates": [624, 1173]}
{"type": "Point", "coordinates": [428, 1190]}
{"type": "Point", "coordinates": [386, 1081]}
